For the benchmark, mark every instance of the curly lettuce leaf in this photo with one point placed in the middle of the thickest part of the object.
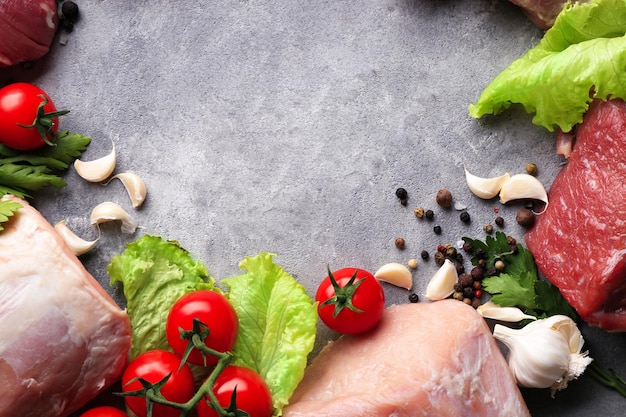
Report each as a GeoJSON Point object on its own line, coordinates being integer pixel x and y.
{"type": "Point", "coordinates": [155, 273]}
{"type": "Point", "coordinates": [277, 325]}
{"type": "Point", "coordinates": [582, 57]}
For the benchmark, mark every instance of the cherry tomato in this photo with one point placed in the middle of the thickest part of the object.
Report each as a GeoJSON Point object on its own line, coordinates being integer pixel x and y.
{"type": "Point", "coordinates": [19, 107]}
{"type": "Point", "coordinates": [153, 366]}
{"type": "Point", "coordinates": [104, 411]}
{"type": "Point", "coordinates": [353, 303]}
{"type": "Point", "coordinates": [212, 309]}
{"type": "Point", "coordinates": [253, 395]}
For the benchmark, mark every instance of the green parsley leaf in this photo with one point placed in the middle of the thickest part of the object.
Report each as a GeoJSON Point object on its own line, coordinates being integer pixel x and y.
{"type": "Point", "coordinates": [518, 284]}
{"type": "Point", "coordinates": [7, 209]}
{"type": "Point", "coordinates": [24, 172]}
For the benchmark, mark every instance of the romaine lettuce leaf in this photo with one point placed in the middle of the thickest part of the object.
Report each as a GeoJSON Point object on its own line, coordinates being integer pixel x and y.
{"type": "Point", "coordinates": [155, 273]}
{"type": "Point", "coordinates": [582, 57]}
{"type": "Point", "coordinates": [277, 325]}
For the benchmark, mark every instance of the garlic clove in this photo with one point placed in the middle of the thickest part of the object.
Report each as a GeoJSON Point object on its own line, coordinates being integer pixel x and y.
{"type": "Point", "coordinates": [109, 211]}
{"type": "Point", "coordinates": [97, 170]}
{"type": "Point", "coordinates": [523, 186]}
{"type": "Point", "coordinates": [491, 310]}
{"type": "Point", "coordinates": [485, 188]}
{"type": "Point", "coordinates": [396, 274]}
{"type": "Point", "coordinates": [135, 187]}
{"type": "Point", "coordinates": [76, 244]}
{"type": "Point", "coordinates": [441, 285]}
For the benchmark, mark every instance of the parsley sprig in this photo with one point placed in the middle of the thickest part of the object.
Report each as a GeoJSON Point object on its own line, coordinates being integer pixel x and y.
{"type": "Point", "coordinates": [518, 284]}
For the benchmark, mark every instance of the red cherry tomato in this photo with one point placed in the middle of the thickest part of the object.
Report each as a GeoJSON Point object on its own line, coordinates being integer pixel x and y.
{"type": "Point", "coordinates": [353, 304]}
{"type": "Point", "coordinates": [19, 107]}
{"type": "Point", "coordinates": [153, 366]}
{"type": "Point", "coordinates": [104, 411]}
{"type": "Point", "coordinates": [212, 309]}
{"type": "Point", "coordinates": [253, 396]}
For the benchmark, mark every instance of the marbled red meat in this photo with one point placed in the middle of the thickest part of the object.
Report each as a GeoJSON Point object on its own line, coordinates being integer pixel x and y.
{"type": "Point", "coordinates": [579, 243]}
{"type": "Point", "coordinates": [27, 28]}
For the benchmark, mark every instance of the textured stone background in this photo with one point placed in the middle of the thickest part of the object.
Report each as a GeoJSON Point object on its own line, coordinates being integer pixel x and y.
{"type": "Point", "coordinates": [286, 127]}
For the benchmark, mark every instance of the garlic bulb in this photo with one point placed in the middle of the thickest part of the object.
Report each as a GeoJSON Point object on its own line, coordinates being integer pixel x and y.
{"type": "Point", "coordinates": [108, 211]}
{"type": "Point", "coordinates": [485, 188]}
{"type": "Point", "coordinates": [491, 310]}
{"type": "Point", "coordinates": [545, 353]}
{"type": "Point", "coordinates": [441, 285]}
{"type": "Point", "coordinates": [98, 169]}
{"type": "Point", "coordinates": [396, 274]}
{"type": "Point", "coordinates": [134, 185]}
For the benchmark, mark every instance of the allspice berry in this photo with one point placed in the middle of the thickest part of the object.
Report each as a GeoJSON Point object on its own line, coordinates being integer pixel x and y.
{"type": "Point", "coordinates": [444, 198]}
{"type": "Point", "coordinates": [399, 242]}
{"type": "Point", "coordinates": [525, 218]}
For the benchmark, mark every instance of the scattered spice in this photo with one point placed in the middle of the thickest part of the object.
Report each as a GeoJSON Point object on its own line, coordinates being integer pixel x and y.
{"type": "Point", "coordinates": [429, 214]}
{"type": "Point", "coordinates": [439, 258]}
{"type": "Point", "coordinates": [399, 242]}
{"type": "Point", "coordinates": [444, 198]}
{"type": "Point", "coordinates": [499, 221]}
{"type": "Point", "coordinates": [437, 229]}
{"type": "Point", "coordinates": [425, 255]}
{"type": "Point", "coordinates": [419, 212]}
{"type": "Point", "coordinates": [414, 298]}
{"type": "Point", "coordinates": [488, 229]}
{"type": "Point", "coordinates": [531, 168]}
{"type": "Point", "coordinates": [465, 217]}
{"type": "Point", "coordinates": [525, 218]}
{"type": "Point", "coordinates": [403, 195]}
{"type": "Point", "coordinates": [412, 263]}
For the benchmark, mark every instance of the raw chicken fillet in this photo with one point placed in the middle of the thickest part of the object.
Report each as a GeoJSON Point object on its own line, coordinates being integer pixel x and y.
{"type": "Point", "coordinates": [62, 338]}
{"type": "Point", "coordinates": [424, 359]}
{"type": "Point", "coordinates": [579, 242]}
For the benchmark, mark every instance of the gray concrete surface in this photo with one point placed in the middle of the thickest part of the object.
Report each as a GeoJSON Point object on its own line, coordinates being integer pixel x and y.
{"type": "Point", "coordinates": [286, 127]}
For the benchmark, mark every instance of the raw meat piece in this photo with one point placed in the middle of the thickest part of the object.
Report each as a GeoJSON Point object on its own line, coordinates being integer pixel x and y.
{"type": "Point", "coordinates": [27, 28]}
{"type": "Point", "coordinates": [424, 359]}
{"type": "Point", "coordinates": [543, 12]}
{"type": "Point", "coordinates": [62, 338]}
{"type": "Point", "coordinates": [579, 242]}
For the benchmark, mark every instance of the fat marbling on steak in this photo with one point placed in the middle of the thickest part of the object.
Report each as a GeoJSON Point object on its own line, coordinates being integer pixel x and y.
{"type": "Point", "coordinates": [425, 359]}
{"type": "Point", "coordinates": [63, 339]}
{"type": "Point", "coordinates": [579, 242]}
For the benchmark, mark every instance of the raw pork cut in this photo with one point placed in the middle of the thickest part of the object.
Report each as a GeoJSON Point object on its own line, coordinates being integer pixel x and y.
{"type": "Point", "coordinates": [27, 28]}
{"type": "Point", "coordinates": [424, 359]}
{"type": "Point", "coordinates": [62, 338]}
{"type": "Point", "coordinates": [579, 242]}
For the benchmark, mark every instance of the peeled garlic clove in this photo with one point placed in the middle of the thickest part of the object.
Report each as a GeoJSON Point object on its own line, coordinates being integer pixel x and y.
{"type": "Point", "coordinates": [108, 211]}
{"type": "Point", "coordinates": [491, 310]}
{"type": "Point", "coordinates": [441, 285]}
{"type": "Point", "coordinates": [485, 188]}
{"type": "Point", "coordinates": [97, 170]}
{"type": "Point", "coordinates": [396, 274]}
{"type": "Point", "coordinates": [523, 186]}
{"type": "Point", "coordinates": [135, 187]}
{"type": "Point", "coordinates": [76, 244]}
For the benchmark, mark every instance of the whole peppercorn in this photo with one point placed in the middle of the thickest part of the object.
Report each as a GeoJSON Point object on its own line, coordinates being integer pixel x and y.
{"type": "Point", "coordinates": [457, 286]}
{"type": "Point", "coordinates": [437, 229]}
{"type": "Point", "coordinates": [414, 298]}
{"type": "Point", "coordinates": [525, 218]}
{"type": "Point", "coordinates": [412, 263]}
{"type": "Point", "coordinates": [69, 10]}
{"type": "Point", "coordinates": [466, 280]}
{"type": "Point", "coordinates": [459, 258]}
{"type": "Point", "coordinates": [403, 195]}
{"type": "Point", "coordinates": [531, 168]}
{"type": "Point", "coordinates": [459, 268]}
{"type": "Point", "coordinates": [458, 295]}
{"type": "Point", "coordinates": [481, 263]}
{"type": "Point", "coordinates": [488, 229]}
{"type": "Point", "coordinates": [477, 285]}
{"type": "Point", "coordinates": [477, 273]}
{"type": "Point", "coordinates": [429, 214]}
{"type": "Point", "coordinates": [451, 251]}
{"type": "Point", "coordinates": [444, 198]}
{"type": "Point", "coordinates": [465, 217]}
{"type": "Point", "coordinates": [511, 241]}
{"type": "Point", "coordinates": [468, 247]}
{"type": "Point", "coordinates": [425, 255]}
{"type": "Point", "coordinates": [499, 265]}
{"type": "Point", "coordinates": [419, 212]}
{"type": "Point", "coordinates": [499, 221]}
{"type": "Point", "coordinates": [399, 242]}
{"type": "Point", "coordinates": [439, 258]}
{"type": "Point", "coordinates": [468, 292]}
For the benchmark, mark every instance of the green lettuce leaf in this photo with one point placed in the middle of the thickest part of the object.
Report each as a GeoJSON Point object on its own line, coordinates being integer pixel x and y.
{"type": "Point", "coordinates": [155, 273]}
{"type": "Point", "coordinates": [277, 325]}
{"type": "Point", "coordinates": [582, 57]}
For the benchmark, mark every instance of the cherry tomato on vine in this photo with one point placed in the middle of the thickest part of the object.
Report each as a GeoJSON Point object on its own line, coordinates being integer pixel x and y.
{"type": "Point", "coordinates": [28, 117]}
{"type": "Point", "coordinates": [350, 300]}
{"type": "Point", "coordinates": [104, 411]}
{"type": "Point", "coordinates": [253, 395]}
{"type": "Point", "coordinates": [214, 311]}
{"type": "Point", "coordinates": [153, 366]}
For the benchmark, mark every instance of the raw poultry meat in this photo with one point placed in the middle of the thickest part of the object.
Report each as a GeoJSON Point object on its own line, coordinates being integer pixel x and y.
{"type": "Point", "coordinates": [27, 28]}
{"type": "Point", "coordinates": [62, 338]}
{"type": "Point", "coordinates": [423, 359]}
{"type": "Point", "coordinates": [579, 242]}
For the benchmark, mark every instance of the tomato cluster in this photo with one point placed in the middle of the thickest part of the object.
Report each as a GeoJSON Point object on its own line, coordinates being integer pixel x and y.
{"type": "Point", "coordinates": [350, 300]}
{"type": "Point", "coordinates": [209, 316]}
{"type": "Point", "coordinates": [28, 117]}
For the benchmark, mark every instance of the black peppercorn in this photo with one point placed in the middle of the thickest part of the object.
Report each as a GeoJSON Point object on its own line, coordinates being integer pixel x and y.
{"type": "Point", "coordinates": [414, 298]}
{"type": "Point", "coordinates": [403, 195]}
{"type": "Point", "coordinates": [437, 229]}
{"type": "Point", "coordinates": [499, 221]}
{"type": "Point", "coordinates": [69, 10]}
{"type": "Point", "coordinates": [429, 214]}
{"type": "Point", "coordinates": [465, 217]}
{"type": "Point", "coordinates": [425, 255]}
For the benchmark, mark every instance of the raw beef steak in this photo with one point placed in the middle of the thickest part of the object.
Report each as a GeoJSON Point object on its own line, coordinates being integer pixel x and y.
{"type": "Point", "coordinates": [579, 242]}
